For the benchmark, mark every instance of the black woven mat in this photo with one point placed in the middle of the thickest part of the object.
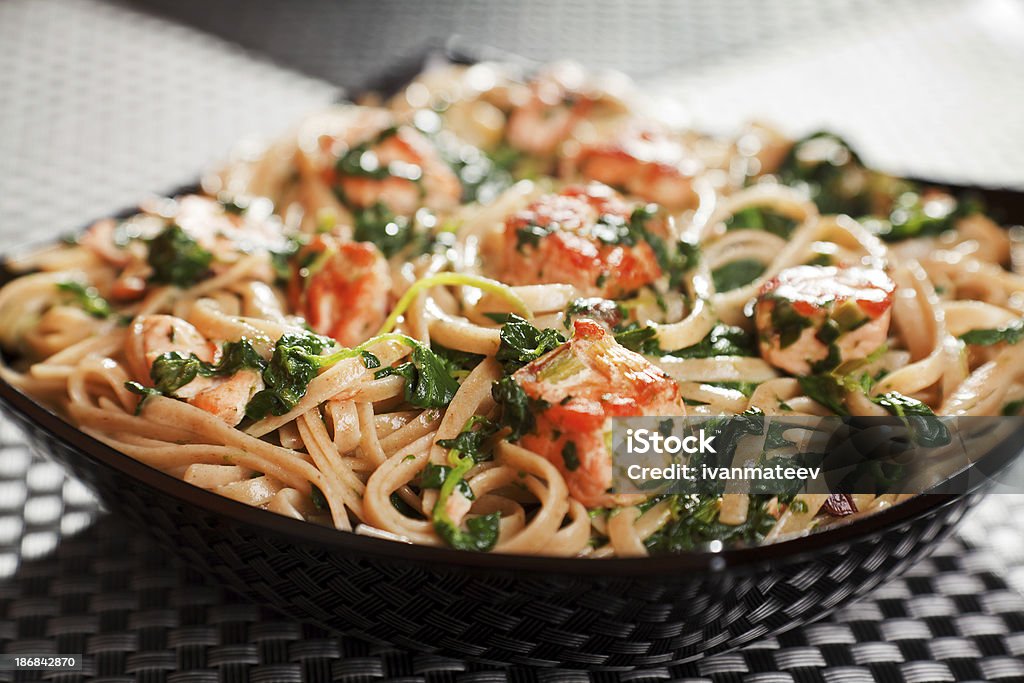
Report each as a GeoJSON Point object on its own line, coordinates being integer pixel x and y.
{"type": "Point", "coordinates": [107, 592]}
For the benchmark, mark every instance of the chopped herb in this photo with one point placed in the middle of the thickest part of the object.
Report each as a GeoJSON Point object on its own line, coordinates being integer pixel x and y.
{"type": "Point", "coordinates": [390, 233]}
{"type": "Point", "coordinates": [832, 172]}
{"type": "Point", "coordinates": [775, 437]}
{"type": "Point", "coordinates": [516, 411]}
{"type": "Point", "coordinates": [433, 476]}
{"type": "Point", "coordinates": [176, 258]}
{"type": "Point", "coordinates": [428, 381]}
{"type": "Point", "coordinates": [915, 215]}
{"type": "Point", "coordinates": [613, 229]}
{"type": "Point", "coordinates": [484, 175]}
{"type": "Point", "coordinates": [143, 391]}
{"type": "Point", "coordinates": [789, 323]}
{"type": "Point", "coordinates": [295, 362]}
{"type": "Point", "coordinates": [361, 161]}
{"type": "Point", "coordinates": [236, 356]}
{"type": "Point", "coordinates": [280, 261]}
{"type": "Point", "coordinates": [639, 338]}
{"type": "Point", "coordinates": [522, 343]}
{"type": "Point", "coordinates": [830, 362]}
{"type": "Point", "coordinates": [925, 428]}
{"type": "Point", "coordinates": [826, 390]}
{"type": "Point", "coordinates": [761, 218]}
{"type": "Point", "coordinates": [674, 258]}
{"type": "Point", "coordinates": [297, 359]}
{"type": "Point", "coordinates": [173, 370]}
{"type": "Point", "coordinates": [722, 340]}
{"type": "Point", "coordinates": [471, 441]}
{"type": "Point", "coordinates": [481, 533]}
{"type": "Point", "coordinates": [695, 523]}
{"type": "Point", "coordinates": [1013, 408]}
{"type": "Point", "coordinates": [318, 498]}
{"type": "Point", "coordinates": [87, 297]}
{"type": "Point", "coordinates": [531, 235]}
{"type": "Point", "coordinates": [404, 508]}
{"type": "Point", "coordinates": [570, 457]}
{"type": "Point", "coordinates": [736, 274]}
{"type": "Point", "coordinates": [1010, 334]}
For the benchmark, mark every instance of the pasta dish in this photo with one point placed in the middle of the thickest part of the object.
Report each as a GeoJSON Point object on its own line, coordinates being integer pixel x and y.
{"type": "Point", "coordinates": [415, 318]}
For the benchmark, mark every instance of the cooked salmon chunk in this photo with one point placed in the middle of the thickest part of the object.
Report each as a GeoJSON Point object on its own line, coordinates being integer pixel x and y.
{"type": "Point", "coordinates": [642, 160]}
{"type": "Point", "coordinates": [584, 383]}
{"type": "Point", "coordinates": [397, 166]}
{"type": "Point", "coordinates": [155, 336]}
{"type": "Point", "coordinates": [814, 318]}
{"type": "Point", "coordinates": [342, 288]}
{"type": "Point", "coordinates": [581, 237]}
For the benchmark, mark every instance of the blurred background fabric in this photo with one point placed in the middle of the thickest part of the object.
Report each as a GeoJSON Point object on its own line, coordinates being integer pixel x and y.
{"type": "Point", "coordinates": [932, 89]}
{"type": "Point", "coordinates": [103, 103]}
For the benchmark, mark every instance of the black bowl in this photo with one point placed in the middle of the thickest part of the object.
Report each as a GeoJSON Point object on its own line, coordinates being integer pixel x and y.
{"type": "Point", "coordinates": [614, 614]}
{"type": "Point", "coordinates": [501, 609]}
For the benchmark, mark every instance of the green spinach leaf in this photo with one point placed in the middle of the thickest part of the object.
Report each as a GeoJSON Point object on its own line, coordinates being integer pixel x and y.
{"type": "Point", "coordinates": [925, 428]}
{"type": "Point", "coordinates": [761, 218]}
{"type": "Point", "coordinates": [516, 408]}
{"type": "Point", "coordinates": [639, 338]}
{"type": "Point", "coordinates": [722, 340]}
{"type": "Point", "coordinates": [295, 362]}
{"type": "Point", "coordinates": [481, 533]}
{"type": "Point", "coordinates": [695, 523]}
{"type": "Point", "coordinates": [428, 380]}
{"type": "Point", "coordinates": [1010, 334]}
{"type": "Point", "coordinates": [826, 390]}
{"type": "Point", "coordinates": [176, 258]}
{"type": "Point", "coordinates": [522, 343]}
{"type": "Point", "coordinates": [87, 297]}
{"type": "Point", "coordinates": [736, 274]}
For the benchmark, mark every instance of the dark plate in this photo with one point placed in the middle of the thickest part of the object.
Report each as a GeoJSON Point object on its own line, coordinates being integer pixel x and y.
{"type": "Point", "coordinates": [599, 614]}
